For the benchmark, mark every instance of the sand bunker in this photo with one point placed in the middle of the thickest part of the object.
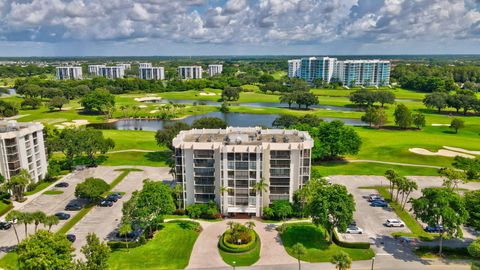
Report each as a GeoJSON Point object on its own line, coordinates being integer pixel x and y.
{"type": "Point", "coordinates": [154, 111]}
{"type": "Point", "coordinates": [441, 152]}
{"type": "Point", "coordinates": [74, 123]}
{"type": "Point", "coordinates": [142, 106]}
{"type": "Point", "coordinates": [440, 125]}
{"type": "Point", "coordinates": [457, 149]}
{"type": "Point", "coordinates": [147, 99]}
{"type": "Point", "coordinates": [207, 94]}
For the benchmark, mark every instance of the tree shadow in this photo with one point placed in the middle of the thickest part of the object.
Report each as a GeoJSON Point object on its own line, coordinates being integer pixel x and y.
{"type": "Point", "coordinates": [449, 132]}
{"type": "Point", "coordinates": [158, 156]}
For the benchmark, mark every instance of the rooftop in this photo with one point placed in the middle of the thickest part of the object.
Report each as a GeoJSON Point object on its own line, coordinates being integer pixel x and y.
{"type": "Point", "coordinates": [12, 125]}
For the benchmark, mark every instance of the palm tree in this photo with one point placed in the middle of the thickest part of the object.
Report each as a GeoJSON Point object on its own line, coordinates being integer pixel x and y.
{"type": "Point", "coordinates": [25, 218]}
{"type": "Point", "coordinates": [178, 190]}
{"type": "Point", "coordinates": [250, 224]}
{"type": "Point", "coordinates": [231, 224]}
{"type": "Point", "coordinates": [51, 221]}
{"type": "Point", "coordinates": [37, 218]}
{"type": "Point", "coordinates": [18, 183]}
{"type": "Point", "coordinates": [299, 250]}
{"type": "Point", "coordinates": [261, 187]}
{"type": "Point", "coordinates": [12, 216]}
{"type": "Point", "coordinates": [342, 261]}
{"type": "Point", "coordinates": [124, 230]}
{"type": "Point", "coordinates": [222, 191]}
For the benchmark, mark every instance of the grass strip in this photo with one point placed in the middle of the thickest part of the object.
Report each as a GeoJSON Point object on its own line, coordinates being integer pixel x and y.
{"type": "Point", "coordinates": [53, 192]}
{"type": "Point", "coordinates": [67, 226]}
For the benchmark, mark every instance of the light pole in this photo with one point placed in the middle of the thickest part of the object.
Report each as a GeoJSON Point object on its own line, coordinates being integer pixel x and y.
{"type": "Point", "coordinates": [373, 262]}
{"type": "Point", "coordinates": [234, 262]}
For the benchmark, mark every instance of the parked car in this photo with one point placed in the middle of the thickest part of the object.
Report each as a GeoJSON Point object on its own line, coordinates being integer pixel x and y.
{"type": "Point", "coordinates": [71, 237]}
{"type": "Point", "coordinates": [434, 229]}
{"type": "Point", "coordinates": [5, 225]}
{"type": "Point", "coordinates": [73, 207]}
{"type": "Point", "coordinates": [62, 216]}
{"type": "Point", "coordinates": [106, 203]}
{"type": "Point", "coordinates": [112, 198]}
{"type": "Point", "coordinates": [62, 184]}
{"type": "Point", "coordinates": [394, 223]}
{"type": "Point", "coordinates": [379, 203]}
{"type": "Point", "coordinates": [354, 230]}
{"type": "Point", "coordinates": [374, 197]}
{"type": "Point", "coordinates": [117, 194]}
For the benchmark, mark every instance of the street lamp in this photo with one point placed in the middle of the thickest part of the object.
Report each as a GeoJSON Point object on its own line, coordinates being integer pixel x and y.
{"type": "Point", "coordinates": [373, 262]}
{"type": "Point", "coordinates": [234, 262]}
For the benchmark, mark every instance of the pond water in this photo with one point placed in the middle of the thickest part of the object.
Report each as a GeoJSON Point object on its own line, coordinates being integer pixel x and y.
{"type": "Point", "coordinates": [233, 119]}
{"type": "Point", "coordinates": [252, 104]}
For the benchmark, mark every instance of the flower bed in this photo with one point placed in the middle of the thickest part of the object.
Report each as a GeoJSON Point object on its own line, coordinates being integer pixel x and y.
{"type": "Point", "coordinates": [234, 248]}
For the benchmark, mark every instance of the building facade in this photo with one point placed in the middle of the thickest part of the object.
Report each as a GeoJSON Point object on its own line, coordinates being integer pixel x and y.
{"type": "Point", "coordinates": [95, 70]}
{"type": "Point", "coordinates": [190, 72]}
{"type": "Point", "coordinates": [151, 73]}
{"type": "Point", "coordinates": [124, 66]}
{"type": "Point", "coordinates": [144, 65]}
{"type": "Point", "coordinates": [22, 147]}
{"type": "Point", "coordinates": [112, 72]}
{"type": "Point", "coordinates": [224, 165]}
{"type": "Point", "coordinates": [294, 68]}
{"type": "Point", "coordinates": [348, 72]}
{"type": "Point", "coordinates": [214, 69]}
{"type": "Point", "coordinates": [69, 73]}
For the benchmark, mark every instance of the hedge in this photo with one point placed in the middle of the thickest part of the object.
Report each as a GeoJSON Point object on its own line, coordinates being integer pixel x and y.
{"type": "Point", "coordinates": [235, 248]}
{"type": "Point", "coordinates": [123, 244]}
{"type": "Point", "coordinates": [448, 250]}
{"type": "Point", "coordinates": [359, 245]}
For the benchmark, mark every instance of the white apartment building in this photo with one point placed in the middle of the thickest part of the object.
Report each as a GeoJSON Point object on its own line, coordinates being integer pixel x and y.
{"type": "Point", "coordinates": [69, 73]}
{"type": "Point", "coordinates": [214, 69]}
{"type": "Point", "coordinates": [294, 68]}
{"type": "Point", "coordinates": [144, 65]}
{"type": "Point", "coordinates": [151, 73]}
{"type": "Point", "coordinates": [95, 69]}
{"type": "Point", "coordinates": [112, 72]}
{"type": "Point", "coordinates": [22, 147]}
{"type": "Point", "coordinates": [124, 66]}
{"type": "Point", "coordinates": [190, 72]}
{"type": "Point", "coordinates": [237, 159]}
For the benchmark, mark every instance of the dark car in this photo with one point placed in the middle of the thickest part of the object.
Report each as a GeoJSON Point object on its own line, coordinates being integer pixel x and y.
{"type": "Point", "coordinates": [117, 194]}
{"type": "Point", "coordinates": [379, 203]}
{"type": "Point", "coordinates": [62, 216]}
{"type": "Point", "coordinates": [71, 237]}
{"type": "Point", "coordinates": [62, 184]}
{"type": "Point", "coordinates": [5, 225]}
{"type": "Point", "coordinates": [73, 207]}
{"type": "Point", "coordinates": [434, 229]}
{"type": "Point", "coordinates": [106, 203]}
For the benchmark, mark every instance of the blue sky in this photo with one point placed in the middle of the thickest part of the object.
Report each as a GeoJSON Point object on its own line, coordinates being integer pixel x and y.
{"type": "Point", "coordinates": [238, 27]}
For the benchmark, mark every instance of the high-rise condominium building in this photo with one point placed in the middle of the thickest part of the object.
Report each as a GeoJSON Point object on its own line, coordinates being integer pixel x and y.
{"type": "Point", "coordinates": [95, 70]}
{"type": "Point", "coordinates": [224, 165]}
{"type": "Point", "coordinates": [125, 66]}
{"type": "Point", "coordinates": [112, 72]}
{"type": "Point", "coordinates": [190, 72]}
{"type": "Point", "coordinates": [22, 147]}
{"type": "Point", "coordinates": [69, 73]}
{"type": "Point", "coordinates": [294, 68]}
{"type": "Point", "coordinates": [144, 65]}
{"type": "Point", "coordinates": [349, 72]}
{"type": "Point", "coordinates": [214, 69]}
{"type": "Point", "coordinates": [151, 73]}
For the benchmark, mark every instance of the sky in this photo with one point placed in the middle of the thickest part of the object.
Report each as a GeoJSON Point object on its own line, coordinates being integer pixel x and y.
{"type": "Point", "coordinates": [238, 27]}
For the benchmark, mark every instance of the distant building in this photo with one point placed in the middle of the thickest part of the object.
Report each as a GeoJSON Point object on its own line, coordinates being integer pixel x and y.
{"type": "Point", "coordinates": [151, 73]}
{"type": "Point", "coordinates": [214, 69]}
{"type": "Point", "coordinates": [237, 159]}
{"type": "Point", "coordinates": [125, 66]}
{"type": "Point", "coordinates": [349, 72]}
{"type": "Point", "coordinates": [144, 65]}
{"type": "Point", "coordinates": [190, 72]}
{"type": "Point", "coordinates": [112, 72]}
{"type": "Point", "coordinates": [22, 147]}
{"type": "Point", "coordinates": [69, 73]}
{"type": "Point", "coordinates": [294, 68]}
{"type": "Point", "coordinates": [95, 69]}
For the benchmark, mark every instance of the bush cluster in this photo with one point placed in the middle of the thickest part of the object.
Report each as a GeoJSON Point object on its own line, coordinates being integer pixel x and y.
{"type": "Point", "coordinates": [227, 247]}
{"type": "Point", "coordinates": [204, 210]}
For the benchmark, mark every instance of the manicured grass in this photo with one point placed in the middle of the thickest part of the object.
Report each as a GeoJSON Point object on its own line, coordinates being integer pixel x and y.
{"type": "Point", "coordinates": [9, 261]}
{"type": "Point", "coordinates": [242, 259]}
{"type": "Point", "coordinates": [5, 206]}
{"type": "Point", "coordinates": [39, 188]}
{"type": "Point", "coordinates": [412, 224]}
{"type": "Point", "coordinates": [154, 159]}
{"type": "Point", "coordinates": [84, 211]}
{"type": "Point", "coordinates": [133, 139]}
{"type": "Point", "coordinates": [314, 240]}
{"type": "Point", "coordinates": [53, 192]}
{"type": "Point", "coordinates": [366, 168]}
{"type": "Point", "coordinates": [342, 92]}
{"type": "Point", "coordinates": [170, 248]}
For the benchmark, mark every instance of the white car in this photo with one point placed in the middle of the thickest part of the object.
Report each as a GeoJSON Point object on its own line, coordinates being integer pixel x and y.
{"type": "Point", "coordinates": [394, 223]}
{"type": "Point", "coordinates": [354, 230]}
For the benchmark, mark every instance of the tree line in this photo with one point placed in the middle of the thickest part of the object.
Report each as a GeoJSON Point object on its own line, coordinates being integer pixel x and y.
{"type": "Point", "coordinates": [465, 100]}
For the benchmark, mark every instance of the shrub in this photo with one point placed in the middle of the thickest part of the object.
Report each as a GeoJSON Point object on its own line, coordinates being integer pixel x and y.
{"type": "Point", "coordinates": [123, 244]}
{"type": "Point", "coordinates": [179, 212]}
{"type": "Point", "coordinates": [268, 213]}
{"type": "Point", "coordinates": [203, 210]}
{"type": "Point", "coordinates": [227, 247]}
{"type": "Point", "coordinates": [474, 249]}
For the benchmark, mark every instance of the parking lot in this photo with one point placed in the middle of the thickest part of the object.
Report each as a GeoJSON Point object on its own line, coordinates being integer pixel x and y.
{"type": "Point", "coordinates": [103, 221]}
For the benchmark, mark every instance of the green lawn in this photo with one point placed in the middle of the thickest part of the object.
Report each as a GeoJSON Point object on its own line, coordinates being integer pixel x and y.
{"type": "Point", "coordinates": [9, 261]}
{"type": "Point", "coordinates": [38, 188]}
{"type": "Point", "coordinates": [133, 139]}
{"type": "Point", "coordinates": [5, 207]}
{"type": "Point", "coordinates": [400, 93]}
{"type": "Point", "coordinates": [242, 259]}
{"type": "Point", "coordinates": [154, 159]}
{"type": "Point", "coordinates": [53, 192]}
{"type": "Point", "coordinates": [318, 248]}
{"type": "Point", "coordinates": [170, 248]}
{"type": "Point", "coordinates": [365, 168]}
